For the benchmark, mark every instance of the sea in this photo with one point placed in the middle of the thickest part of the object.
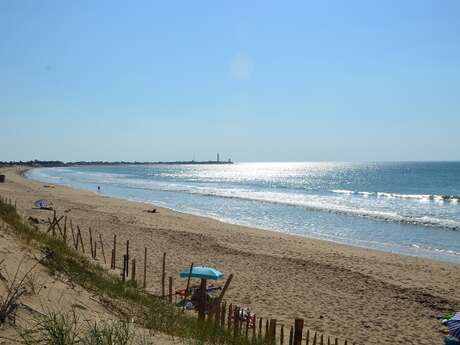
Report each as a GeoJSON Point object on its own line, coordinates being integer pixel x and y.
{"type": "Point", "coordinates": [409, 208]}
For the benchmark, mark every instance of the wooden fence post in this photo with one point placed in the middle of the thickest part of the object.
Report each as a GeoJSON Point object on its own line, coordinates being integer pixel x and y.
{"type": "Point", "coordinates": [291, 336]}
{"type": "Point", "coordinates": [273, 331]}
{"type": "Point", "coordinates": [216, 314]}
{"type": "Point", "coordinates": [227, 283]}
{"type": "Point", "coordinates": [127, 257]}
{"type": "Point", "coordinates": [77, 239]}
{"type": "Point", "coordinates": [163, 273]}
{"type": "Point", "coordinates": [260, 328]}
{"type": "Point", "coordinates": [202, 306]}
{"type": "Point", "coordinates": [91, 242]}
{"type": "Point", "coordinates": [308, 337]}
{"type": "Point", "coordinates": [73, 234]}
{"type": "Point", "coordinates": [236, 321]}
{"type": "Point", "coordinates": [267, 331]}
{"type": "Point", "coordinates": [95, 250]}
{"type": "Point", "coordinates": [114, 250]}
{"type": "Point", "coordinates": [170, 289]}
{"type": "Point", "coordinates": [282, 335]}
{"type": "Point", "coordinates": [65, 230]}
{"type": "Point", "coordinates": [314, 339]}
{"type": "Point", "coordinates": [133, 270]}
{"type": "Point", "coordinates": [81, 239]}
{"type": "Point", "coordinates": [246, 331]}
{"type": "Point", "coordinates": [112, 262]}
{"type": "Point", "coordinates": [188, 279]}
{"type": "Point", "coordinates": [102, 248]}
{"type": "Point", "coordinates": [230, 314]}
{"type": "Point", "coordinates": [210, 312]}
{"type": "Point", "coordinates": [298, 329]}
{"type": "Point", "coordinates": [57, 223]}
{"type": "Point", "coordinates": [223, 314]}
{"type": "Point", "coordinates": [59, 227]}
{"type": "Point", "coordinates": [321, 339]}
{"type": "Point", "coordinates": [145, 268]}
{"type": "Point", "coordinates": [53, 225]}
{"type": "Point", "coordinates": [123, 274]}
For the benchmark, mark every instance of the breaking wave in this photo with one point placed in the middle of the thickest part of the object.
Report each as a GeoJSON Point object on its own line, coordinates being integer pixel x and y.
{"type": "Point", "coordinates": [421, 197]}
{"type": "Point", "coordinates": [314, 202]}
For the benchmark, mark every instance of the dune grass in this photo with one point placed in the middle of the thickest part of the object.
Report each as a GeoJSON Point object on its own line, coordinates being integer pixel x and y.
{"type": "Point", "coordinates": [55, 328]}
{"type": "Point", "coordinates": [148, 311]}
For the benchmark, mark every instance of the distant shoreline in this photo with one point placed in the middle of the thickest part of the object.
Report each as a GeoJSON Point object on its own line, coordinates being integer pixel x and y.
{"type": "Point", "coordinates": [57, 164]}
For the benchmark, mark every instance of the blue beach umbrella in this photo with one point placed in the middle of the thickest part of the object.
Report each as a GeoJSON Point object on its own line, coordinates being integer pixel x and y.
{"type": "Point", "coordinates": [202, 272]}
{"type": "Point", "coordinates": [454, 326]}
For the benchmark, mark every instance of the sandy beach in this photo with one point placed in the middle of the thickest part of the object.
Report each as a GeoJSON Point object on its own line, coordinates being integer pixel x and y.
{"type": "Point", "coordinates": [366, 296]}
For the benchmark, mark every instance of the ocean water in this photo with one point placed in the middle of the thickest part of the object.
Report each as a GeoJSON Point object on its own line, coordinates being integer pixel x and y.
{"type": "Point", "coordinates": [411, 208]}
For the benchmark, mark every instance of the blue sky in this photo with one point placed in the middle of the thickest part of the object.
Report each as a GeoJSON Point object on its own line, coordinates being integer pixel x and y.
{"type": "Point", "coordinates": [255, 81]}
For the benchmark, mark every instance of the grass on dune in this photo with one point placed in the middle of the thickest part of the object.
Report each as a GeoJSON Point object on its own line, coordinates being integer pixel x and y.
{"type": "Point", "coordinates": [149, 311]}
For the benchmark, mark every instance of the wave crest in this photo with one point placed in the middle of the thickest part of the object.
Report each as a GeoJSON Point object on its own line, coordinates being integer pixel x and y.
{"type": "Point", "coordinates": [421, 197]}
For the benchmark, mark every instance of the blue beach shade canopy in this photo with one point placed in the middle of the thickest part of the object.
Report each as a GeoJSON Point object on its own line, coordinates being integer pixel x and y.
{"type": "Point", "coordinates": [203, 272]}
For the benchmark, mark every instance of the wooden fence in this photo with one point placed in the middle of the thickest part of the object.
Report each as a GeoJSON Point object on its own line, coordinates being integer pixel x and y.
{"type": "Point", "coordinates": [229, 316]}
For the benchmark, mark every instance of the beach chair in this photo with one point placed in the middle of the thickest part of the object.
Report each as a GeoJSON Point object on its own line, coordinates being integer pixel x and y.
{"type": "Point", "coordinates": [245, 315]}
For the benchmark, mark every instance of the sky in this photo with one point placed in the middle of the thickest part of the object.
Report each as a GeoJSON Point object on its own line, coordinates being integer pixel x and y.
{"type": "Point", "coordinates": [252, 80]}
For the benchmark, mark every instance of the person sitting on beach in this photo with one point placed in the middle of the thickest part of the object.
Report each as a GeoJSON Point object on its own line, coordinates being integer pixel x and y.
{"type": "Point", "coordinates": [196, 297]}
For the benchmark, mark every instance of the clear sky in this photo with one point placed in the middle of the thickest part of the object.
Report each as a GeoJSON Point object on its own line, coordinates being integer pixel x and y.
{"type": "Point", "coordinates": [253, 80]}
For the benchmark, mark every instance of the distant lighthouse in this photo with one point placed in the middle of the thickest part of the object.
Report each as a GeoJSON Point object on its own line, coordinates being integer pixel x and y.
{"type": "Point", "coordinates": [217, 158]}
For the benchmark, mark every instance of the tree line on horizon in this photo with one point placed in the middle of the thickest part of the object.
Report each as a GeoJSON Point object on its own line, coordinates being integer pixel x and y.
{"type": "Point", "coordinates": [44, 163]}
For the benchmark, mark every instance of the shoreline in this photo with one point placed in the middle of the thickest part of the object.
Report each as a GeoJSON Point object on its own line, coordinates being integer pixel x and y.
{"type": "Point", "coordinates": [369, 296]}
{"type": "Point", "coordinates": [442, 255]}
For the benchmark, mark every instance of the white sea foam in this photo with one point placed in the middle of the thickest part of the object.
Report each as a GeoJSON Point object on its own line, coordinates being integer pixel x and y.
{"type": "Point", "coordinates": [314, 202]}
{"type": "Point", "coordinates": [420, 197]}
{"type": "Point", "coordinates": [311, 202]}
{"type": "Point", "coordinates": [343, 191]}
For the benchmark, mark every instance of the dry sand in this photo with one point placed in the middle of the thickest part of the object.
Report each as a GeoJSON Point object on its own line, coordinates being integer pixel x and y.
{"type": "Point", "coordinates": [366, 296]}
{"type": "Point", "coordinates": [46, 293]}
